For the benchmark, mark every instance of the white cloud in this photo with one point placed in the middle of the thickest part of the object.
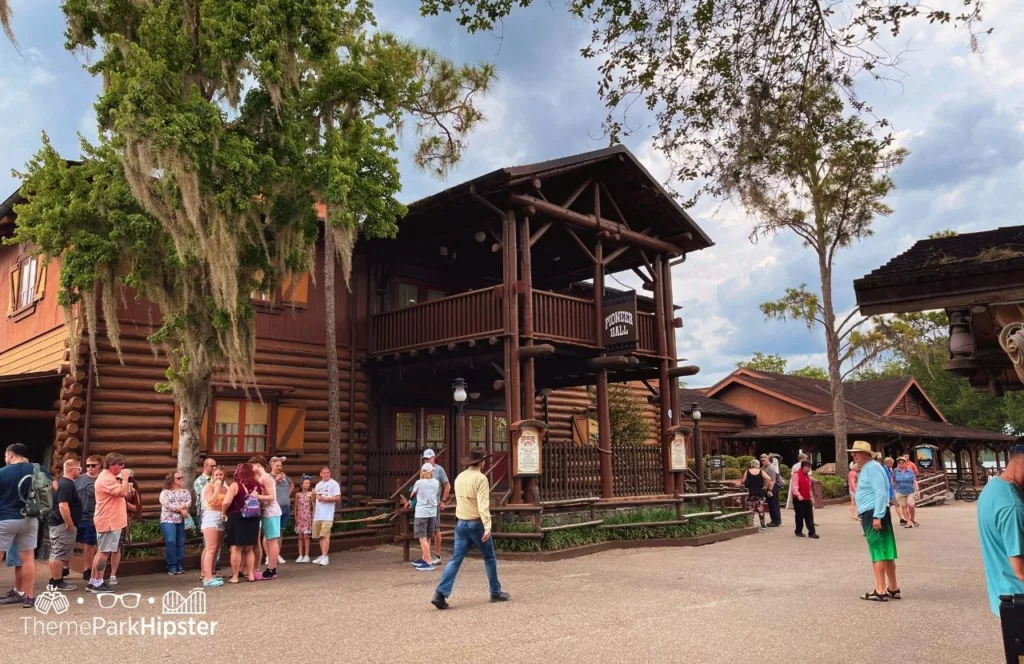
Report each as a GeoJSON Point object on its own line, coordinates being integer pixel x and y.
{"type": "Point", "coordinates": [40, 76]}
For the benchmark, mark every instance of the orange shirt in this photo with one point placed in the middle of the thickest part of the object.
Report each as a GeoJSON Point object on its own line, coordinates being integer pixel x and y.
{"type": "Point", "coordinates": [111, 507]}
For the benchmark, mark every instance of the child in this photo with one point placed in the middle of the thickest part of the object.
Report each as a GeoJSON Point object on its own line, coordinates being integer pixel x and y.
{"type": "Point", "coordinates": [426, 491]}
{"type": "Point", "coordinates": [304, 517]}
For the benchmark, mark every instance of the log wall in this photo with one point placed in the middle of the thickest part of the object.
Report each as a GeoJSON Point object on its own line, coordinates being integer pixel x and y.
{"type": "Point", "coordinates": [130, 417]}
{"type": "Point", "coordinates": [569, 401]}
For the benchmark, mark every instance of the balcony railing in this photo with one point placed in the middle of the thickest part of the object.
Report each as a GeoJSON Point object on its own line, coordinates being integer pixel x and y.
{"type": "Point", "coordinates": [480, 313]}
{"type": "Point", "coordinates": [449, 319]}
{"type": "Point", "coordinates": [563, 318]}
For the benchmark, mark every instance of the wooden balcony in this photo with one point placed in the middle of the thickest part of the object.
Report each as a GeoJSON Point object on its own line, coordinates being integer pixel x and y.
{"type": "Point", "coordinates": [479, 314]}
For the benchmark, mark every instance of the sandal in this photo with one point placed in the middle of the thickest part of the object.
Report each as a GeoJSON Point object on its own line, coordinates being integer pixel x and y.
{"type": "Point", "coordinates": [894, 594]}
{"type": "Point", "coordinates": [916, 524]}
{"type": "Point", "coordinates": [232, 580]}
{"type": "Point", "coordinates": [875, 596]}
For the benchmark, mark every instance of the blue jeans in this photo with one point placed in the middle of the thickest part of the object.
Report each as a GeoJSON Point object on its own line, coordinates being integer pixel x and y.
{"type": "Point", "coordinates": [467, 534]}
{"type": "Point", "coordinates": [174, 545]}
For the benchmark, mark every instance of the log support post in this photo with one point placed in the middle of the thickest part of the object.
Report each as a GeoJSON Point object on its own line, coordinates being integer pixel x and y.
{"type": "Point", "coordinates": [664, 385]}
{"type": "Point", "coordinates": [673, 390]}
{"type": "Point", "coordinates": [513, 395]}
{"type": "Point", "coordinates": [529, 375]}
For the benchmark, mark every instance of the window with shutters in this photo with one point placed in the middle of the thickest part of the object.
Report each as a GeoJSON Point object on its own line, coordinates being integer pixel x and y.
{"type": "Point", "coordinates": [293, 291]}
{"type": "Point", "coordinates": [27, 285]}
{"type": "Point", "coordinates": [478, 430]}
{"type": "Point", "coordinates": [239, 426]}
{"type": "Point", "coordinates": [405, 431]}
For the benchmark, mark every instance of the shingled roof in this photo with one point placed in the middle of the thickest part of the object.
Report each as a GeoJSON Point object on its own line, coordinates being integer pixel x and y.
{"type": "Point", "coordinates": [820, 426]}
{"type": "Point", "coordinates": [943, 268]}
{"type": "Point", "coordinates": [707, 405]}
{"type": "Point", "coordinates": [876, 396]}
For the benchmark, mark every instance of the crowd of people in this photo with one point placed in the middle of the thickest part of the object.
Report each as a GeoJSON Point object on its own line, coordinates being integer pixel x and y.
{"type": "Point", "coordinates": [94, 509]}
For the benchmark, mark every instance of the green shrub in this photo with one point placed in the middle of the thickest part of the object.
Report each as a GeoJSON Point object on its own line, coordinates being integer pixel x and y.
{"type": "Point", "coordinates": [733, 473]}
{"type": "Point", "coordinates": [835, 487]}
{"type": "Point", "coordinates": [577, 537]}
{"type": "Point", "coordinates": [784, 470]}
{"type": "Point", "coordinates": [730, 461]}
{"type": "Point", "coordinates": [744, 462]}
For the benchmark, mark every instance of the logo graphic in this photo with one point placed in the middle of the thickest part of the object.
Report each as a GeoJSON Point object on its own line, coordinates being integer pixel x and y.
{"type": "Point", "coordinates": [176, 604]}
{"type": "Point", "coordinates": [111, 600]}
{"type": "Point", "coordinates": [52, 601]}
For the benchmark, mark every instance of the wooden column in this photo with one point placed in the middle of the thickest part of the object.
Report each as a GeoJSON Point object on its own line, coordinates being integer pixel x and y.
{"type": "Point", "coordinates": [670, 332]}
{"type": "Point", "coordinates": [513, 397]}
{"type": "Point", "coordinates": [973, 454]}
{"type": "Point", "coordinates": [604, 422]}
{"type": "Point", "coordinates": [529, 375]}
{"type": "Point", "coordinates": [664, 385]}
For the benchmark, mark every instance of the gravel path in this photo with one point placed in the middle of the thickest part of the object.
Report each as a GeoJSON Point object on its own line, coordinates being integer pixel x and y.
{"type": "Point", "coordinates": [748, 600]}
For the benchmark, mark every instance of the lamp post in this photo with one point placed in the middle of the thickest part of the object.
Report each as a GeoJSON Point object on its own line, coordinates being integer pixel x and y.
{"type": "Point", "coordinates": [459, 396]}
{"type": "Point", "coordinates": [698, 447]}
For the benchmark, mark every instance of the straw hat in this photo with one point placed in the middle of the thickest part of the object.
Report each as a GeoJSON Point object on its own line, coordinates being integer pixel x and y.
{"type": "Point", "coordinates": [861, 446]}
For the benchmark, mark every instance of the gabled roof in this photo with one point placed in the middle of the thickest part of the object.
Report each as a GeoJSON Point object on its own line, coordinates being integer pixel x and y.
{"type": "Point", "coordinates": [821, 426]}
{"type": "Point", "coordinates": [972, 268]}
{"type": "Point", "coordinates": [707, 405]}
{"type": "Point", "coordinates": [809, 393]}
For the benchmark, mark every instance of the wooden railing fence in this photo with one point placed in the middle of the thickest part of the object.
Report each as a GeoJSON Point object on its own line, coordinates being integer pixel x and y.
{"type": "Point", "coordinates": [570, 471]}
{"type": "Point", "coordinates": [638, 470]}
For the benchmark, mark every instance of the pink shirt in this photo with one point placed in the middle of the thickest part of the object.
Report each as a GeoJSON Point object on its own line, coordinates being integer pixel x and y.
{"type": "Point", "coordinates": [111, 507]}
{"type": "Point", "coordinates": [852, 480]}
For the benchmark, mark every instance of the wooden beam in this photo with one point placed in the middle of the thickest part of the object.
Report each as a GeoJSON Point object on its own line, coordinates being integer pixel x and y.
{"type": "Point", "coordinates": [596, 223]}
{"type": "Point", "coordinates": [646, 279]}
{"type": "Point", "coordinates": [576, 194]}
{"type": "Point", "coordinates": [539, 350]}
{"type": "Point", "coordinates": [583, 247]}
{"type": "Point", "coordinates": [540, 233]}
{"type": "Point", "coordinates": [611, 362]}
{"type": "Point", "coordinates": [688, 370]}
{"type": "Point", "coordinates": [615, 206]}
{"type": "Point", "coordinates": [615, 254]}
{"type": "Point", "coordinates": [486, 203]}
{"type": "Point", "coordinates": [27, 414]}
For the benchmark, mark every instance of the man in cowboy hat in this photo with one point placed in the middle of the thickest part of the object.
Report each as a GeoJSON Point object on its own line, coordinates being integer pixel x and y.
{"type": "Point", "coordinates": [873, 510]}
{"type": "Point", "coordinates": [472, 509]}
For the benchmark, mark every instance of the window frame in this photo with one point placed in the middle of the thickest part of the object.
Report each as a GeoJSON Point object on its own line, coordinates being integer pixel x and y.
{"type": "Point", "coordinates": [240, 437]}
{"type": "Point", "coordinates": [18, 311]}
{"type": "Point", "coordinates": [412, 444]}
{"type": "Point", "coordinates": [424, 291]}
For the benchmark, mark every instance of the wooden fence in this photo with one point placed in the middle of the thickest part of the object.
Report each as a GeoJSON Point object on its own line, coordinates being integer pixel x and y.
{"type": "Point", "coordinates": [570, 471]}
{"type": "Point", "coordinates": [448, 319]}
{"type": "Point", "coordinates": [563, 318]}
{"type": "Point", "coordinates": [637, 470]}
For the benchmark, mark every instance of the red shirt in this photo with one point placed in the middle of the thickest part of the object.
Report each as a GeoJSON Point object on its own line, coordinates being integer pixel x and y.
{"type": "Point", "coordinates": [803, 486]}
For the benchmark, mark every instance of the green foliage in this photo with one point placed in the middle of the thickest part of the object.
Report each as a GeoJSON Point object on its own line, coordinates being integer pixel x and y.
{"type": "Point", "coordinates": [834, 486]}
{"type": "Point", "coordinates": [729, 461]}
{"type": "Point", "coordinates": [775, 363]}
{"type": "Point", "coordinates": [743, 462]}
{"type": "Point", "coordinates": [220, 124]}
{"type": "Point", "coordinates": [784, 470]}
{"type": "Point", "coordinates": [733, 473]}
{"type": "Point", "coordinates": [576, 537]}
{"type": "Point", "coordinates": [697, 65]}
{"type": "Point", "coordinates": [626, 414]}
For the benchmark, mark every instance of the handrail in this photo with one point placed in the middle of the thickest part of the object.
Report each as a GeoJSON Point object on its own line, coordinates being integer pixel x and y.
{"type": "Point", "coordinates": [562, 297]}
{"type": "Point", "coordinates": [415, 476]}
{"type": "Point", "coordinates": [447, 298]}
{"type": "Point", "coordinates": [465, 316]}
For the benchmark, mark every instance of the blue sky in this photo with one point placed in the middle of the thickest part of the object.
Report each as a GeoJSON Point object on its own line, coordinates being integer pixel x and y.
{"type": "Point", "coordinates": [960, 115]}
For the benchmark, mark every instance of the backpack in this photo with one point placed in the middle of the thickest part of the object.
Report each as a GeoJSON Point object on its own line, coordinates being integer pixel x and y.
{"type": "Point", "coordinates": [251, 506]}
{"type": "Point", "coordinates": [36, 494]}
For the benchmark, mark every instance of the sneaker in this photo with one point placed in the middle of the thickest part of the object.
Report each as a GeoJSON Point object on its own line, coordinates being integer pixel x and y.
{"type": "Point", "coordinates": [814, 536]}
{"type": "Point", "coordinates": [436, 560]}
{"type": "Point", "coordinates": [300, 559]}
{"type": "Point", "coordinates": [316, 561]}
{"type": "Point", "coordinates": [65, 586]}
{"type": "Point", "coordinates": [799, 534]}
{"type": "Point", "coordinates": [324, 561]}
{"type": "Point", "coordinates": [426, 567]}
{"type": "Point", "coordinates": [12, 597]}
{"type": "Point", "coordinates": [102, 588]}
{"type": "Point", "coordinates": [179, 572]}
{"type": "Point", "coordinates": [28, 602]}
{"type": "Point", "coordinates": [281, 560]}
{"type": "Point", "coordinates": [418, 562]}
{"type": "Point", "coordinates": [112, 581]}
{"type": "Point", "coordinates": [501, 597]}
{"type": "Point", "coordinates": [903, 522]}
{"type": "Point", "coordinates": [439, 601]}
{"type": "Point", "coordinates": [269, 574]}
{"type": "Point", "coordinates": [214, 582]}
{"type": "Point", "coordinates": [171, 572]}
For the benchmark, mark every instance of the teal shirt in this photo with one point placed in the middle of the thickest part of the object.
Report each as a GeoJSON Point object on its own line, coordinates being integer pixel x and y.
{"type": "Point", "coordinates": [1001, 530]}
{"type": "Point", "coordinates": [873, 487]}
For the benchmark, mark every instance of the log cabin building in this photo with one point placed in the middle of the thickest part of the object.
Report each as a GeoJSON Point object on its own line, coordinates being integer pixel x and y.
{"type": "Point", "coordinates": [481, 289]}
{"type": "Point", "coordinates": [787, 414]}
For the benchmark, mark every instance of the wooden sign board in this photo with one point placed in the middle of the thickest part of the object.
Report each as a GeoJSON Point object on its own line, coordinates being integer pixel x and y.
{"type": "Point", "coordinates": [716, 462]}
{"type": "Point", "coordinates": [618, 310]}
{"type": "Point", "coordinates": [677, 448]}
{"type": "Point", "coordinates": [527, 440]}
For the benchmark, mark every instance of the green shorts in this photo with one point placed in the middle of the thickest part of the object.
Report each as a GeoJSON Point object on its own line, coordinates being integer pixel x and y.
{"type": "Point", "coordinates": [881, 543]}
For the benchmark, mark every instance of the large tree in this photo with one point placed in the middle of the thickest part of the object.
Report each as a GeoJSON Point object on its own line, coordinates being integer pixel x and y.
{"type": "Point", "coordinates": [696, 64]}
{"type": "Point", "coordinates": [221, 123]}
{"type": "Point", "coordinates": [810, 168]}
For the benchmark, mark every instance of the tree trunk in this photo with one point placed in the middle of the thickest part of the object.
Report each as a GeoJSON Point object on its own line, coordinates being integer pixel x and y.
{"type": "Point", "coordinates": [191, 405]}
{"type": "Point", "coordinates": [333, 390]}
{"type": "Point", "coordinates": [834, 369]}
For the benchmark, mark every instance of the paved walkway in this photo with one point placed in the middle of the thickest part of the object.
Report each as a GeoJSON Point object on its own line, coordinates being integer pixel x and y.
{"type": "Point", "coordinates": [760, 599]}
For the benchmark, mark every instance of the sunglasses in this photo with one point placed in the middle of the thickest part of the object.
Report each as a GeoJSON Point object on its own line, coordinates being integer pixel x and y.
{"type": "Point", "coordinates": [92, 465]}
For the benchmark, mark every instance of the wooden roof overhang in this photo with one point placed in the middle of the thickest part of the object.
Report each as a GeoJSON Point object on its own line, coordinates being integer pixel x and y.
{"type": "Point", "coordinates": [978, 276]}
{"type": "Point", "coordinates": [638, 218]}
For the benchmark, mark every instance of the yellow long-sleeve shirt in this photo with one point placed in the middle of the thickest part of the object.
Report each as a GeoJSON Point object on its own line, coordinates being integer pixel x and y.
{"type": "Point", "coordinates": [473, 497]}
